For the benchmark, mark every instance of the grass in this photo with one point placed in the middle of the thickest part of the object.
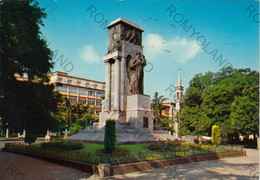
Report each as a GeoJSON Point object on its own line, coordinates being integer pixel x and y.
{"type": "Point", "coordinates": [91, 147]}
{"type": "Point", "coordinates": [133, 147]}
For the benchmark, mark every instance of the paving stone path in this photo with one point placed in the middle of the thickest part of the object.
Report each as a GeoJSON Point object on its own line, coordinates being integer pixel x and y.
{"type": "Point", "coordinates": [20, 167]}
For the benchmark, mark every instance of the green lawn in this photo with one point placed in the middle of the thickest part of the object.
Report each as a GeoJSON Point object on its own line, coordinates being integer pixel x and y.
{"type": "Point", "coordinates": [91, 147]}
{"type": "Point", "coordinates": [134, 147]}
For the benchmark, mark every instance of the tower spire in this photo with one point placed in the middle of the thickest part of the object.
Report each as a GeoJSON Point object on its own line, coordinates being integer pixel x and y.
{"type": "Point", "coordinates": [179, 83]}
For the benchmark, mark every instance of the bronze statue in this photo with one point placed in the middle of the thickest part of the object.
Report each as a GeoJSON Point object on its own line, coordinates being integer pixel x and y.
{"type": "Point", "coordinates": [136, 74]}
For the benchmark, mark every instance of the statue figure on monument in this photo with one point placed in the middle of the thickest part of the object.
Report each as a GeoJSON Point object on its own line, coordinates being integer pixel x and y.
{"type": "Point", "coordinates": [115, 40]}
{"type": "Point", "coordinates": [136, 74]}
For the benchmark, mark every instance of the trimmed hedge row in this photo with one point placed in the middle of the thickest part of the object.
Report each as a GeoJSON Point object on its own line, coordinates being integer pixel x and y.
{"type": "Point", "coordinates": [64, 144]}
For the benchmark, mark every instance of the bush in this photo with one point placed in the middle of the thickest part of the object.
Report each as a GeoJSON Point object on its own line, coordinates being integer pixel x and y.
{"type": "Point", "coordinates": [164, 145]}
{"type": "Point", "coordinates": [110, 139]}
{"type": "Point", "coordinates": [215, 134]}
{"type": "Point", "coordinates": [64, 145]}
{"type": "Point", "coordinates": [30, 138]}
{"type": "Point", "coordinates": [74, 128]}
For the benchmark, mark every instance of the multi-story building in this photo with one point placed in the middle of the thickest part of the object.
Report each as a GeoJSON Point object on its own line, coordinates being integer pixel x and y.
{"type": "Point", "coordinates": [79, 90]}
{"type": "Point", "coordinates": [171, 107]}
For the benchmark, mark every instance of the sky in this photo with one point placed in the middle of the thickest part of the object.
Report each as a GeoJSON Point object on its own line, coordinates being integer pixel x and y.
{"type": "Point", "coordinates": [193, 36]}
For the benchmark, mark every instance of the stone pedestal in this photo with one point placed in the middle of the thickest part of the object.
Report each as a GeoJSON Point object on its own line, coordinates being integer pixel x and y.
{"type": "Point", "coordinates": [138, 111]}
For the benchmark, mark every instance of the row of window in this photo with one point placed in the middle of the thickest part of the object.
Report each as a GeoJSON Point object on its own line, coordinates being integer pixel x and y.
{"type": "Point", "coordinates": [74, 90]}
{"type": "Point", "coordinates": [84, 101]}
{"type": "Point", "coordinates": [79, 83]}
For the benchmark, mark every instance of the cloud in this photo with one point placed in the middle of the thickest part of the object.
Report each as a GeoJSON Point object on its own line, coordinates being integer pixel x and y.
{"type": "Point", "coordinates": [181, 49]}
{"type": "Point", "coordinates": [88, 54]}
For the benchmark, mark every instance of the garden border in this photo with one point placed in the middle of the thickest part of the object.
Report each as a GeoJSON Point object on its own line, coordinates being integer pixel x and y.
{"type": "Point", "coordinates": [134, 167]}
{"type": "Point", "coordinates": [105, 170]}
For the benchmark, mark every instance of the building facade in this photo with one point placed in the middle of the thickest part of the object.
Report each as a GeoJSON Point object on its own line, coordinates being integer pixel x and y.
{"type": "Point", "coordinates": [79, 90]}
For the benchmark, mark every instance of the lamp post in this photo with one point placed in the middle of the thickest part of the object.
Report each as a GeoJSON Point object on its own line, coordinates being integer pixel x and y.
{"type": "Point", "coordinates": [7, 131]}
{"type": "Point", "coordinates": [66, 131]}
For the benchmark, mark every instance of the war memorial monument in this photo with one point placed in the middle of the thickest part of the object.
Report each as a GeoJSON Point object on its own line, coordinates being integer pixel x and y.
{"type": "Point", "coordinates": [125, 100]}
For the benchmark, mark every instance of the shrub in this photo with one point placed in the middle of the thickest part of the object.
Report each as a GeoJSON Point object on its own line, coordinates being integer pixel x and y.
{"type": "Point", "coordinates": [215, 134]}
{"type": "Point", "coordinates": [64, 145]}
{"type": "Point", "coordinates": [110, 139]}
{"type": "Point", "coordinates": [74, 128]}
{"type": "Point", "coordinates": [164, 145]}
{"type": "Point", "coordinates": [30, 138]}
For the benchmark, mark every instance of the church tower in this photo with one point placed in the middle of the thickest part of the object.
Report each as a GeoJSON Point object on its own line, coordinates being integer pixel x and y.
{"type": "Point", "coordinates": [178, 98]}
{"type": "Point", "coordinates": [179, 92]}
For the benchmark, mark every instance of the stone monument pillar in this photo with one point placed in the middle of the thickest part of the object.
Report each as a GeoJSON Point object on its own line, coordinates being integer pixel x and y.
{"type": "Point", "coordinates": [125, 100]}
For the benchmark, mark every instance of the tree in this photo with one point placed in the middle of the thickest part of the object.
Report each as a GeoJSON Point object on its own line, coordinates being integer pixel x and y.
{"type": "Point", "coordinates": [244, 116]}
{"type": "Point", "coordinates": [110, 139]}
{"type": "Point", "coordinates": [219, 99]}
{"type": "Point", "coordinates": [157, 107]}
{"type": "Point", "coordinates": [74, 116]}
{"type": "Point", "coordinates": [194, 121]}
{"type": "Point", "coordinates": [23, 52]}
{"type": "Point", "coordinates": [166, 123]}
{"type": "Point", "coordinates": [216, 136]}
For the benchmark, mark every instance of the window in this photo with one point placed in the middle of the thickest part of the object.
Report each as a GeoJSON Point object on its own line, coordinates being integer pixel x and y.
{"type": "Point", "coordinates": [99, 94]}
{"type": "Point", "coordinates": [82, 91]}
{"type": "Point", "coordinates": [103, 87]}
{"type": "Point", "coordinates": [78, 83]}
{"type": "Point", "coordinates": [82, 100]}
{"type": "Point", "coordinates": [87, 84]}
{"type": "Point", "coordinates": [91, 93]}
{"type": "Point", "coordinates": [98, 103]}
{"type": "Point", "coordinates": [59, 80]}
{"type": "Point", "coordinates": [166, 110]}
{"type": "Point", "coordinates": [61, 89]}
{"type": "Point", "coordinates": [69, 81]}
{"type": "Point", "coordinates": [73, 90]}
{"type": "Point", "coordinates": [145, 122]}
{"type": "Point", "coordinates": [95, 86]}
{"type": "Point", "coordinates": [91, 102]}
{"type": "Point", "coordinates": [73, 100]}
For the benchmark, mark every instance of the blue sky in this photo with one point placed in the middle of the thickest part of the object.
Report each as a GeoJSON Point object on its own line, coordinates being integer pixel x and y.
{"type": "Point", "coordinates": [224, 25]}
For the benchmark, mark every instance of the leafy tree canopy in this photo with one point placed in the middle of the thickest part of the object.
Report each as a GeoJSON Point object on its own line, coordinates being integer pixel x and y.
{"type": "Point", "coordinates": [25, 104]}
{"type": "Point", "coordinates": [228, 98]}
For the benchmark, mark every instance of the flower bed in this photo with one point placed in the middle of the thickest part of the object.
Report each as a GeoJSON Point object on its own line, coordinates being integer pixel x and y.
{"type": "Point", "coordinates": [176, 145]}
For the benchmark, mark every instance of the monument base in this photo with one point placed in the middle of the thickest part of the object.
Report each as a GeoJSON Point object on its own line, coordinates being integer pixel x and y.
{"type": "Point", "coordinates": [126, 134]}
{"type": "Point", "coordinates": [134, 126]}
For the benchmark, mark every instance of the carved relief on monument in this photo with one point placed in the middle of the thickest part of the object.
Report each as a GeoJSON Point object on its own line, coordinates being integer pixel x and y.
{"type": "Point", "coordinates": [135, 72]}
{"type": "Point", "coordinates": [131, 35]}
{"type": "Point", "coordinates": [114, 39]}
{"type": "Point", "coordinates": [118, 34]}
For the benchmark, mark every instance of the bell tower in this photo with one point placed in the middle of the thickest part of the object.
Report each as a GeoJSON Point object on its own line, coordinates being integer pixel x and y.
{"type": "Point", "coordinates": [179, 92]}
{"type": "Point", "coordinates": [178, 98]}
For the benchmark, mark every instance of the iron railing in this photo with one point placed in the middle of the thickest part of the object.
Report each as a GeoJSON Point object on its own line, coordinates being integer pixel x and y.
{"type": "Point", "coordinates": [116, 158]}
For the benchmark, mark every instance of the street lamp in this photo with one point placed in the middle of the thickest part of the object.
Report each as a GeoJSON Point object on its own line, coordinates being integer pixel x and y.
{"type": "Point", "coordinates": [66, 131]}
{"type": "Point", "coordinates": [7, 131]}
